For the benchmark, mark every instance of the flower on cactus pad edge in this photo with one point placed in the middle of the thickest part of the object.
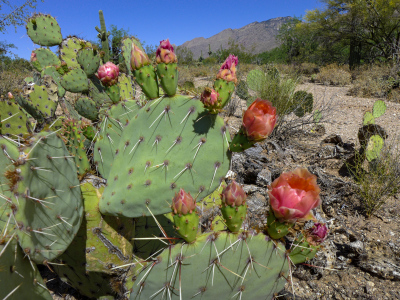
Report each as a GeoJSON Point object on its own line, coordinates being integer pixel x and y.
{"type": "Point", "coordinates": [259, 120]}
{"type": "Point", "coordinates": [209, 97]}
{"type": "Point", "coordinates": [10, 95]}
{"type": "Point", "coordinates": [165, 53]}
{"type": "Point", "coordinates": [317, 234]}
{"type": "Point", "coordinates": [183, 203]}
{"type": "Point", "coordinates": [108, 74]}
{"type": "Point", "coordinates": [233, 195]}
{"type": "Point", "coordinates": [138, 58]}
{"type": "Point", "coordinates": [228, 69]}
{"type": "Point", "coordinates": [293, 195]}
{"type": "Point", "coordinates": [33, 57]}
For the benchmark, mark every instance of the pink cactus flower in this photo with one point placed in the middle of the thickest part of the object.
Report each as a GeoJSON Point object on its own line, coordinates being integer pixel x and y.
{"type": "Point", "coordinates": [259, 120]}
{"type": "Point", "coordinates": [233, 195]}
{"type": "Point", "coordinates": [108, 74]}
{"type": "Point", "coordinates": [33, 57]}
{"type": "Point", "coordinates": [183, 203]}
{"type": "Point", "coordinates": [10, 96]}
{"type": "Point", "coordinates": [317, 234]}
{"type": "Point", "coordinates": [139, 58]}
{"type": "Point", "coordinates": [293, 195]}
{"type": "Point", "coordinates": [228, 69]}
{"type": "Point", "coordinates": [209, 97]}
{"type": "Point", "coordinates": [165, 53]}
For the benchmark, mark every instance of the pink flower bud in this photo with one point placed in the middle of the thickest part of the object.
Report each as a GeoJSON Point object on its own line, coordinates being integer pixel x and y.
{"type": "Point", "coordinates": [10, 96]}
{"type": "Point", "coordinates": [165, 53]}
{"type": "Point", "coordinates": [259, 120]}
{"type": "Point", "coordinates": [138, 58]}
{"type": "Point", "coordinates": [33, 57]}
{"type": "Point", "coordinates": [233, 195]}
{"type": "Point", "coordinates": [318, 233]}
{"type": "Point", "coordinates": [209, 97]}
{"type": "Point", "coordinates": [108, 74]}
{"type": "Point", "coordinates": [293, 195]}
{"type": "Point", "coordinates": [183, 203]}
{"type": "Point", "coordinates": [228, 69]}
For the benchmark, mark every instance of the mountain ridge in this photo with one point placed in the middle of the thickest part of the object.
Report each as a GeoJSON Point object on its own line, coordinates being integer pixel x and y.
{"type": "Point", "coordinates": [259, 36]}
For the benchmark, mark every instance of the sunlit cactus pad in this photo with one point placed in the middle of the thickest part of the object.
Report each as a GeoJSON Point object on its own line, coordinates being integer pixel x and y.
{"type": "Point", "coordinates": [173, 143]}
{"type": "Point", "coordinates": [216, 266]}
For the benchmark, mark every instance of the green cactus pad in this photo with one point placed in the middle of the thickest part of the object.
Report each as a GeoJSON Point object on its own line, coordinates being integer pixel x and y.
{"type": "Point", "coordinates": [375, 145]}
{"type": "Point", "coordinates": [50, 208]}
{"type": "Point", "coordinates": [368, 118]}
{"type": "Point", "coordinates": [19, 279]}
{"type": "Point", "coordinates": [187, 226]}
{"type": "Point", "coordinates": [109, 135]}
{"type": "Point", "coordinates": [87, 108]}
{"type": "Point", "coordinates": [109, 239]}
{"type": "Point", "coordinates": [173, 143]}
{"type": "Point", "coordinates": [126, 87]}
{"type": "Point", "coordinates": [52, 71]}
{"type": "Point", "coordinates": [216, 266]}
{"type": "Point", "coordinates": [277, 229]}
{"type": "Point", "coordinates": [240, 142]}
{"type": "Point", "coordinates": [242, 90]}
{"type": "Point", "coordinates": [69, 49]}
{"type": "Point", "coordinates": [256, 80]}
{"type": "Point", "coordinates": [45, 58]}
{"type": "Point", "coordinates": [75, 81]}
{"type": "Point", "coordinates": [168, 75]}
{"type": "Point", "coordinates": [98, 93]}
{"type": "Point", "coordinates": [89, 60]}
{"type": "Point", "coordinates": [225, 90]}
{"type": "Point", "coordinates": [39, 102]}
{"type": "Point", "coordinates": [74, 141]}
{"type": "Point", "coordinates": [113, 93]}
{"type": "Point", "coordinates": [44, 30]}
{"type": "Point", "coordinates": [302, 103]}
{"type": "Point", "coordinates": [147, 234]}
{"type": "Point", "coordinates": [13, 121]}
{"type": "Point", "coordinates": [71, 267]}
{"type": "Point", "coordinates": [126, 49]}
{"type": "Point", "coordinates": [302, 251]}
{"type": "Point", "coordinates": [147, 80]}
{"type": "Point", "coordinates": [234, 216]}
{"type": "Point", "coordinates": [378, 109]}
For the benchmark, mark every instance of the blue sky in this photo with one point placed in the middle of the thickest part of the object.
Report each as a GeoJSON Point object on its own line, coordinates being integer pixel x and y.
{"type": "Point", "coordinates": [152, 21]}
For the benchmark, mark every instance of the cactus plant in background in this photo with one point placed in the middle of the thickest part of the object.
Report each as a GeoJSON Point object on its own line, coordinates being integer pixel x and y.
{"type": "Point", "coordinates": [114, 233]}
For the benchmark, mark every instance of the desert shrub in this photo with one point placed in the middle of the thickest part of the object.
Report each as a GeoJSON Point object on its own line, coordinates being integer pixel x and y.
{"type": "Point", "coordinates": [379, 179]}
{"type": "Point", "coordinates": [375, 81]}
{"type": "Point", "coordinates": [307, 68]}
{"type": "Point", "coordinates": [12, 74]}
{"type": "Point", "coordinates": [334, 75]}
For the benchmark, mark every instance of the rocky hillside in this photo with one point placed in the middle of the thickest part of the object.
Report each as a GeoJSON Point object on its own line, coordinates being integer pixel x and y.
{"type": "Point", "coordinates": [260, 35]}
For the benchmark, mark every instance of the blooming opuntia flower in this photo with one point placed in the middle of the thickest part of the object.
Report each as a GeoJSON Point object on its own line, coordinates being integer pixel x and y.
{"type": "Point", "coordinates": [318, 233]}
{"type": "Point", "coordinates": [209, 97]}
{"type": "Point", "coordinates": [10, 96]}
{"type": "Point", "coordinates": [293, 195]}
{"type": "Point", "coordinates": [108, 74]}
{"type": "Point", "coordinates": [259, 120]}
{"type": "Point", "coordinates": [33, 57]}
{"type": "Point", "coordinates": [233, 195]}
{"type": "Point", "coordinates": [183, 203]}
{"type": "Point", "coordinates": [165, 53]}
{"type": "Point", "coordinates": [228, 69]}
{"type": "Point", "coordinates": [138, 58]}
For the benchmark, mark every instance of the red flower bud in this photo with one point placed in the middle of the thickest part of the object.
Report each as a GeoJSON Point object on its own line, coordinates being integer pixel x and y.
{"type": "Point", "coordinates": [259, 120]}
{"type": "Point", "coordinates": [138, 58]}
{"type": "Point", "coordinates": [293, 195]}
{"type": "Point", "coordinates": [209, 97]}
{"type": "Point", "coordinates": [108, 74]}
{"type": "Point", "coordinates": [165, 53]}
{"type": "Point", "coordinates": [318, 233]}
{"type": "Point", "coordinates": [228, 69]}
{"type": "Point", "coordinates": [183, 203]}
{"type": "Point", "coordinates": [233, 195]}
{"type": "Point", "coordinates": [33, 57]}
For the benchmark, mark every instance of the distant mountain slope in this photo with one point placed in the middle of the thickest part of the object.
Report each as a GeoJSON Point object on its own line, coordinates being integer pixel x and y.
{"type": "Point", "coordinates": [261, 35]}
